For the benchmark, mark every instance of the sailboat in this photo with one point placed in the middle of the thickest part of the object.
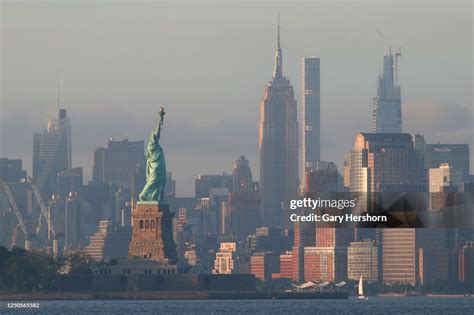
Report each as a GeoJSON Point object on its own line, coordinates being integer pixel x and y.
{"type": "Point", "coordinates": [361, 295]}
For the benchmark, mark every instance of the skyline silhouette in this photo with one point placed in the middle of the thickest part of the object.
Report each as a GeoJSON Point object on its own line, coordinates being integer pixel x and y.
{"type": "Point", "coordinates": [212, 78]}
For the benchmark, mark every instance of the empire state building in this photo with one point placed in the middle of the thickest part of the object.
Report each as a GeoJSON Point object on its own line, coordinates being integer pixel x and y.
{"type": "Point", "coordinates": [278, 142]}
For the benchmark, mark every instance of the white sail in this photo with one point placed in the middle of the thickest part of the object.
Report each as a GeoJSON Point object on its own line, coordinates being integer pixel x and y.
{"type": "Point", "coordinates": [361, 286]}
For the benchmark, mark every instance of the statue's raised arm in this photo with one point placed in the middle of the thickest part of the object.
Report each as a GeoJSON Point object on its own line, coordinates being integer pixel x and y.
{"type": "Point", "coordinates": [159, 126]}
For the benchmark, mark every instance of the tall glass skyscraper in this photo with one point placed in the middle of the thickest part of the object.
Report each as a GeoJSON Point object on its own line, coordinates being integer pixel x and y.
{"type": "Point", "coordinates": [242, 176]}
{"type": "Point", "coordinates": [387, 113]}
{"type": "Point", "coordinates": [311, 116]}
{"type": "Point", "coordinates": [278, 142]}
{"type": "Point", "coordinates": [51, 154]}
{"type": "Point", "coordinates": [385, 163]}
{"type": "Point", "coordinates": [116, 162]}
{"type": "Point", "coordinates": [389, 162]}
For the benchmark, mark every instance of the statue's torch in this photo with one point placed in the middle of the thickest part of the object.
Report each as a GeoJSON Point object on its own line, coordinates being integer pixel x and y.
{"type": "Point", "coordinates": [162, 115]}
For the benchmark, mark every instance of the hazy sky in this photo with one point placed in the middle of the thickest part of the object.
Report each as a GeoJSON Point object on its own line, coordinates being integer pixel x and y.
{"type": "Point", "coordinates": [207, 63]}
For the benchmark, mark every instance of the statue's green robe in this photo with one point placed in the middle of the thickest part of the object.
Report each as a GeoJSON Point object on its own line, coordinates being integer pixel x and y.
{"type": "Point", "coordinates": [154, 189]}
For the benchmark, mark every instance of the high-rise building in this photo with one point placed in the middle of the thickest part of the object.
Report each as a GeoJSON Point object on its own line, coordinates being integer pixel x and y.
{"type": "Point", "coordinates": [218, 206]}
{"type": "Point", "coordinates": [244, 201]}
{"type": "Point", "coordinates": [99, 197]}
{"type": "Point", "coordinates": [414, 256]}
{"type": "Point", "coordinates": [432, 265]}
{"type": "Point", "coordinates": [242, 176]}
{"type": "Point", "coordinates": [442, 180]}
{"type": "Point", "coordinates": [56, 214]}
{"type": "Point", "coordinates": [73, 222]}
{"type": "Point", "coordinates": [362, 260]}
{"type": "Point", "coordinates": [310, 116]}
{"type": "Point", "coordinates": [389, 162]}
{"type": "Point", "coordinates": [244, 213]}
{"type": "Point", "coordinates": [11, 170]}
{"type": "Point", "coordinates": [318, 264]}
{"type": "Point", "coordinates": [399, 258]}
{"type": "Point", "coordinates": [182, 232]}
{"type": "Point", "coordinates": [286, 266]}
{"type": "Point", "coordinates": [170, 186]}
{"type": "Point", "coordinates": [466, 265]}
{"type": "Point", "coordinates": [109, 242]}
{"type": "Point", "coordinates": [204, 183]}
{"type": "Point", "coordinates": [303, 236]}
{"type": "Point", "coordinates": [138, 180]}
{"type": "Point", "coordinates": [278, 142]}
{"type": "Point", "coordinates": [456, 155]}
{"type": "Point", "coordinates": [51, 154]}
{"type": "Point", "coordinates": [69, 180]}
{"type": "Point", "coordinates": [121, 207]}
{"type": "Point", "coordinates": [347, 171]}
{"type": "Point", "coordinates": [269, 240]}
{"type": "Point", "coordinates": [201, 220]}
{"type": "Point", "coordinates": [264, 264]}
{"type": "Point", "coordinates": [116, 163]}
{"type": "Point", "coordinates": [323, 178]}
{"type": "Point", "coordinates": [387, 113]}
{"type": "Point", "coordinates": [327, 261]}
{"type": "Point", "coordinates": [385, 162]}
{"type": "Point", "coordinates": [224, 225]}
{"type": "Point", "coordinates": [455, 239]}
{"type": "Point", "coordinates": [225, 259]}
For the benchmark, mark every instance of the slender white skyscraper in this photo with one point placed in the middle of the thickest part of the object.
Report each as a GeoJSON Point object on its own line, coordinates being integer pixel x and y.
{"type": "Point", "coordinates": [387, 113]}
{"type": "Point", "coordinates": [311, 116]}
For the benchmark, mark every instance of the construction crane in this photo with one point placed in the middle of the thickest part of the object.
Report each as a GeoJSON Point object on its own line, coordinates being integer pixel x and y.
{"type": "Point", "coordinates": [46, 216]}
{"type": "Point", "coordinates": [42, 206]}
{"type": "Point", "coordinates": [17, 213]}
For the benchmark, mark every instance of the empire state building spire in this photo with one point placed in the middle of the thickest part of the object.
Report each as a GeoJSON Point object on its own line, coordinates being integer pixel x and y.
{"type": "Point", "coordinates": [278, 35]}
{"type": "Point", "coordinates": [278, 70]}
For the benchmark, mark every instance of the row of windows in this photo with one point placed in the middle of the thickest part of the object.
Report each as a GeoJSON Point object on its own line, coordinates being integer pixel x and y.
{"type": "Point", "coordinates": [146, 249]}
{"type": "Point", "coordinates": [147, 224]}
{"type": "Point", "coordinates": [146, 271]}
{"type": "Point", "coordinates": [158, 271]}
{"type": "Point", "coordinates": [105, 271]}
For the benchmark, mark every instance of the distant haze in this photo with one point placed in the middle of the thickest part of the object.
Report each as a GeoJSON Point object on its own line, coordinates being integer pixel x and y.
{"type": "Point", "coordinates": [207, 63]}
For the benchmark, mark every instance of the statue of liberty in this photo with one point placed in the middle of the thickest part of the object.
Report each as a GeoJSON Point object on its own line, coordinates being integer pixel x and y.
{"type": "Point", "coordinates": [154, 189]}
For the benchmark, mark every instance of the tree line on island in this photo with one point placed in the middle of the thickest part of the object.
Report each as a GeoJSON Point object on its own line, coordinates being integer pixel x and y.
{"type": "Point", "coordinates": [34, 271]}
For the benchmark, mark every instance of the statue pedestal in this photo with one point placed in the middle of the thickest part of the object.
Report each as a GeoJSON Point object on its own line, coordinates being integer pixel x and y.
{"type": "Point", "coordinates": [152, 235]}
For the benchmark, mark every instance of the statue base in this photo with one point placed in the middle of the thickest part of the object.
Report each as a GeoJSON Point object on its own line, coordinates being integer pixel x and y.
{"type": "Point", "coordinates": [152, 235]}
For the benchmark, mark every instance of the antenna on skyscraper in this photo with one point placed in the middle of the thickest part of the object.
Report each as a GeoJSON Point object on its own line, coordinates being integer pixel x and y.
{"type": "Point", "coordinates": [395, 66]}
{"type": "Point", "coordinates": [278, 29]}
{"type": "Point", "coordinates": [57, 91]}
